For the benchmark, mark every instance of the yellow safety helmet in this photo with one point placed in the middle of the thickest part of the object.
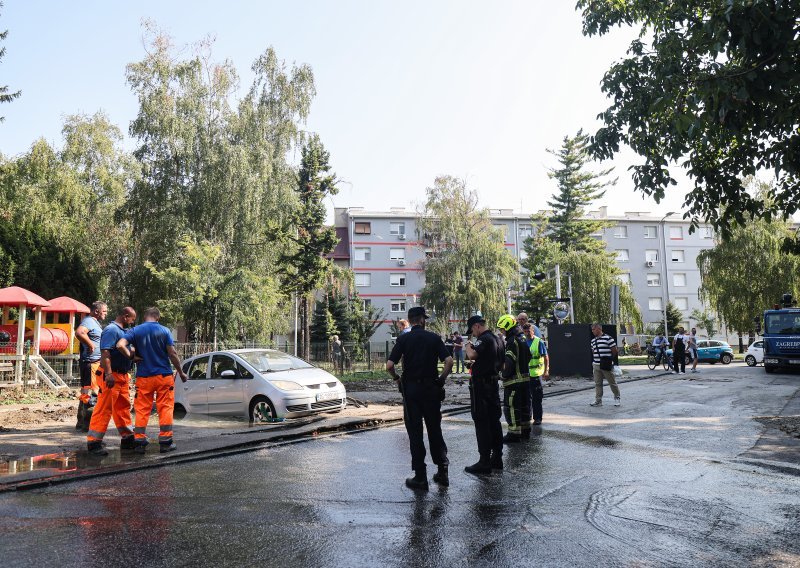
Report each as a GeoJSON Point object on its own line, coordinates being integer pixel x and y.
{"type": "Point", "coordinates": [506, 322]}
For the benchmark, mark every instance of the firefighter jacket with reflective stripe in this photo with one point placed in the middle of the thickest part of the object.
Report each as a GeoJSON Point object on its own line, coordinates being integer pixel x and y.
{"type": "Point", "coordinates": [517, 358]}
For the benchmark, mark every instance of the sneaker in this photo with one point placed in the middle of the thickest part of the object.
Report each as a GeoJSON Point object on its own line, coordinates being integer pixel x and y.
{"type": "Point", "coordinates": [596, 403]}
{"type": "Point", "coordinates": [682, 373]}
{"type": "Point", "coordinates": [164, 448]}
{"type": "Point", "coordinates": [617, 402]}
{"type": "Point", "coordinates": [695, 371]}
{"type": "Point", "coordinates": [675, 372]}
{"type": "Point", "coordinates": [535, 423]}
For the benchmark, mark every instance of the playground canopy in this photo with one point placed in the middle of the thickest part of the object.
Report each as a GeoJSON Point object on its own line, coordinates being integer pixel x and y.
{"type": "Point", "coordinates": [66, 305]}
{"type": "Point", "coordinates": [16, 296]}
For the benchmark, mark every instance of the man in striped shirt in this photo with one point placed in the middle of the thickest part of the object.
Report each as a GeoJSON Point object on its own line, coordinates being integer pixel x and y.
{"type": "Point", "coordinates": [604, 352]}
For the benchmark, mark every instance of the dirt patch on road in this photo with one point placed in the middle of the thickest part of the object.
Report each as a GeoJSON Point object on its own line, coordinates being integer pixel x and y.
{"type": "Point", "coordinates": [787, 424]}
{"type": "Point", "coordinates": [17, 416]}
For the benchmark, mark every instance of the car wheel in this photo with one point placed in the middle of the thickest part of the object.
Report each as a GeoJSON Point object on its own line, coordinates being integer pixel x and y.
{"type": "Point", "coordinates": [750, 360]}
{"type": "Point", "coordinates": [726, 358]}
{"type": "Point", "coordinates": [262, 410]}
{"type": "Point", "coordinates": [179, 413]}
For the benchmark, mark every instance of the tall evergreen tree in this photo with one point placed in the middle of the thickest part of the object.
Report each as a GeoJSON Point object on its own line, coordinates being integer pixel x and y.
{"type": "Point", "coordinates": [323, 326]}
{"type": "Point", "coordinates": [304, 265]}
{"type": "Point", "coordinates": [577, 189]}
{"type": "Point", "coordinates": [5, 95]}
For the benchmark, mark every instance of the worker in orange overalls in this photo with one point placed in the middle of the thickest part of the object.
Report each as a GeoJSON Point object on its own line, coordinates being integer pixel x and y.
{"type": "Point", "coordinates": [114, 399]}
{"type": "Point", "coordinates": [88, 334]}
{"type": "Point", "coordinates": [155, 349]}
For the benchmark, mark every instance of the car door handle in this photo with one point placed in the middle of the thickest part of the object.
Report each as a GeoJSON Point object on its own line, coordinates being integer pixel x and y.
{"type": "Point", "coordinates": [211, 388]}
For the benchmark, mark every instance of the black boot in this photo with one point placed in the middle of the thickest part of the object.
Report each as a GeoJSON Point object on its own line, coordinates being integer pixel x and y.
{"type": "Point", "coordinates": [127, 443]}
{"type": "Point", "coordinates": [526, 434]}
{"type": "Point", "coordinates": [168, 447]}
{"type": "Point", "coordinates": [419, 481]}
{"type": "Point", "coordinates": [510, 438]}
{"type": "Point", "coordinates": [496, 460]}
{"type": "Point", "coordinates": [96, 449]}
{"type": "Point", "coordinates": [441, 477]}
{"type": "Point", "coordinates": [481, 467]}
{"type": "Point", "coordinates": [87, 417]}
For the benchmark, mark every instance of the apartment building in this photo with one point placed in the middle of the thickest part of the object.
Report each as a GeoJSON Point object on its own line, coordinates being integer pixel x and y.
{"type": "Point", "coordinates": [657, 255]}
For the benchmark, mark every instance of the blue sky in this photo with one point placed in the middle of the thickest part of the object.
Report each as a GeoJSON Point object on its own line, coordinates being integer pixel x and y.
{"type": "Point", "coordinates": [405, 90]}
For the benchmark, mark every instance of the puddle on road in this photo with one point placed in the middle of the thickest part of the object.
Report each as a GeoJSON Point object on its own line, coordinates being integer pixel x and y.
{"type": "Point", "coordinates": [61, 462]}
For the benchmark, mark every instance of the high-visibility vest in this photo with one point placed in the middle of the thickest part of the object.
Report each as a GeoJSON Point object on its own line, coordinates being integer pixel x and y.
{"type": "Point", "coordinates": [536, 365]}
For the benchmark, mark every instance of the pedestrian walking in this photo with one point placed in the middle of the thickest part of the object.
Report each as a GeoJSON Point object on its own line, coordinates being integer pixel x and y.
{"type": "Point", "coordinates": [604, 351]}
{"type": "Point", "coordinates": [679, 352]}
{"type": "Point", "coordinates": [538, 371]}
{"type": "Point", "coordinates": [338, 353]}
{"type": "Point", "coordinates": [458, 352]}
{"type": "Point", "coordinates": [155, 349]}
{"type": "Point", "coordinates": [423, 392]}
{"type": "Point", "coordinates": [516, 384]}
{"type": "Point", "coordinates": [114, 397]}
{"type": "Point", "coordinates": [487, 351]}
{"type": "Point", "coordinates": [693, 349]}
{"type": "Point", "coordinates": [88, 334]}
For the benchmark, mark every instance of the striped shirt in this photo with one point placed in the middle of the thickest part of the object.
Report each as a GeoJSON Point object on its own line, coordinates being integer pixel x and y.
{"type": "Point", "coordinates": [601, 347]}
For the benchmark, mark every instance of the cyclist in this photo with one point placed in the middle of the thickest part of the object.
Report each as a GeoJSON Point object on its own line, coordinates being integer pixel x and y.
{"type": "Point", "coordinates": [660, 344]}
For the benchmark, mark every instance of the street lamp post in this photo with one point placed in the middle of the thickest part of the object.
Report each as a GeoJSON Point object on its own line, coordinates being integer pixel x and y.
{"type": "Point", "coordinates": [664, 289]}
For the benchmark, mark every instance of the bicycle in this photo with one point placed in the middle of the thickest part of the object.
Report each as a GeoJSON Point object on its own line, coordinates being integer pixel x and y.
{"type": "Point", "coordinates": [651, 358]}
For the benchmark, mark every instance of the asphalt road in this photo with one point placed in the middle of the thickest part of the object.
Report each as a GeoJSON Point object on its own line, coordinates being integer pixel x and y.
{"type": "Point", "coordinates": [668, 479]}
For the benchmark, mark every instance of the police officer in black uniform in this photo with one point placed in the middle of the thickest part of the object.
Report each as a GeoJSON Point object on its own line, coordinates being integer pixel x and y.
{"type": "Point", "coordinates": [488, 354]}
{"type": "Point", "coordinates": [423, 393]}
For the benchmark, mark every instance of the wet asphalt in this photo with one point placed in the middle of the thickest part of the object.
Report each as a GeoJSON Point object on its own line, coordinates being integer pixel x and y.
{"type": "Point", "coordinates": [564, 499]}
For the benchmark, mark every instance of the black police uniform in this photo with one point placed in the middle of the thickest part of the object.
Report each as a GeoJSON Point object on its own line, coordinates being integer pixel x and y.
{"type": "Point", "coordinates": [484, 392]}
{"type": "Point", "coordinates": [516, 386]}
{"type": "Point", "coordinates": [422, 393]}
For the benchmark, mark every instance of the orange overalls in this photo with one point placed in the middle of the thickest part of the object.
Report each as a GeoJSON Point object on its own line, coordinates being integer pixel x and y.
{"type": "Point", "coordinates": [163, 388]}
{"type": "Point", "coordinates": [114, 402]}
{"type": "Point", "coordinates": [86, 392]}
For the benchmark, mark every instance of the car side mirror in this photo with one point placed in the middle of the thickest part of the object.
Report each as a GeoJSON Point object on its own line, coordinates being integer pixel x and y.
{"type": "Point", "coordinates": [228, 374]}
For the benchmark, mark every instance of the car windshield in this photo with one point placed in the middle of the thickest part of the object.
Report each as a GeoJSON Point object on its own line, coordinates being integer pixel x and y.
{"type": "Point", "coordinates": [782, 324]}
{"type": "Point", "coordinates": [268, 361]}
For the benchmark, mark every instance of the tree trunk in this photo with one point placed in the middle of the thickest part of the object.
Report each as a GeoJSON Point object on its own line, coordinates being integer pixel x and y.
{"type": "Point", "coordinates": [751, 337]}
{"type": "Point", "coordinates": [741, 343]}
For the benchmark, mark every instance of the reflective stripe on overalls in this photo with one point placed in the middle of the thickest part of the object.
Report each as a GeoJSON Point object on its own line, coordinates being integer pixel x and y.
{"type": "Point", "coordinates": [514, 425]}
{"type": "Point", "coordinates": [536, 365]}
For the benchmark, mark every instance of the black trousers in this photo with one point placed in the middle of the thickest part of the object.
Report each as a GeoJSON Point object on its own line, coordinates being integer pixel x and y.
{"type": "Point", "coordinates": [517, 407]}
{"type": "Point", "coordinates": [422, 402]}
{"type": "Point", "coordinates": [485, 408]}
{"type": "Point", "coordinates": [679, 360]}
{"type": "Point", "coordinates": [537, 395]}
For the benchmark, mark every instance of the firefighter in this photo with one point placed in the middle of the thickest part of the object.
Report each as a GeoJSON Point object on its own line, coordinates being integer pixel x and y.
{"type": "Point", "coordinates": [516, 384]}
{"type": "Point", "coordinates": [114, 398]}
{"type": "Point", "coordinates": [154, 378]}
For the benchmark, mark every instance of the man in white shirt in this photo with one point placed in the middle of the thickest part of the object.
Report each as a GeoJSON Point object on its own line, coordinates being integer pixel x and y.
{"type": "Point", "coordinates": [693, 349]}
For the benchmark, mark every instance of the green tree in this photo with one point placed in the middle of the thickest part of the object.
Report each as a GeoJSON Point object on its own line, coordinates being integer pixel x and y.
{"type": "Point", "coordinates": [705, 321]}
{"type": "Point", "coordinates": [214, 171]}
{"type": "Point", "coordinates": [365, 320]}
{"type": "Point", "coordinates": [540, 256]}
{"type": "Point", "coordinates": [468, 269]}
{"type": "Point", "coordinates": [711, 87]}
{"type": "Point", "coordinates": [5, 95]}
{"type": "Point", "coordinates": [747, 272]}
{"type": "Point", "coordinates": [674, 319]}
{"type": "Point", "coordinates": [323, 324]}
{"type": "Point", "coordinates": [309, 240]}
{"type": "Point", "coordinates": [578, 188]}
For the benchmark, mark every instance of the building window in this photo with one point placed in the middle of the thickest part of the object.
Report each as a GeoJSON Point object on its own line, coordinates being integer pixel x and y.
{"type": "Point", "coordinates": [654, 304]}
{"type": "Point", "coordinates": [682, 304]}
{"type": "Point", "coordinates": [365, 304]}
{"type": "Point", "coordinates": [622, 255]}
{"type": "Point", "coordinates": [397, 254]}
{"type": "Point", "coordinates": [624, 278]}
{"type": "Point", "coordinates": [706, 233]}
{"type": "Point", "coordinates": [397, 228]}
{"type": "Point", "coordinates": [363, 253]}
{"type": "Point", "coordinates": [651, 256]}
{"type": "Point", "coordinates": [679, 280]}
{"type": "Point", "coordinates": [621, 231]}
{"type": "Point", "coordinates": [398, 306]}
{"type": "Point", "coordinates": [397, 280]}
{"type": "Point", "coordinates": [650, 232]}
{"type": "Point", "coordinates": [678, 256]}
{"type": "Point", "coordinates": [363, 228]}
{"type": "Point", "coordinates": [654, 279]}
{"type": "Point", "coordinates": [362, 279]}
{"type": "Point", "coordinates": [525, 232]}
{"type": "Point", "coordinates": [676, 233]}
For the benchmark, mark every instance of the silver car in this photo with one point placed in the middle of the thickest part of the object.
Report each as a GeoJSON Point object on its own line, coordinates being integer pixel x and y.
{"type": "Point", "coordinates": [261, 385]}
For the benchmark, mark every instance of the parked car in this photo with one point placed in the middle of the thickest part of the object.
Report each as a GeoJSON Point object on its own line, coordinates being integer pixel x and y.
{"type": "Point", "coordinates": [261, 385]}
{"type": "Point", "coordinates": [755, 354]}
{"type": "Point", "coordinates": [710, 351]}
